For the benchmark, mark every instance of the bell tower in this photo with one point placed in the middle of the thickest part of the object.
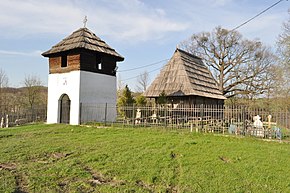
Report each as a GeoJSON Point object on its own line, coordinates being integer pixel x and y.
{"type": "Point", "coordinates": [82, 71]}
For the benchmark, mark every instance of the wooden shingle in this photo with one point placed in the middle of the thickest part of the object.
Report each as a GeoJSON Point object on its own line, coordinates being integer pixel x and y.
{"type": "Point", "coordinates": [184, 75]}
{"type": "Point", "coordinates": [85, 39]}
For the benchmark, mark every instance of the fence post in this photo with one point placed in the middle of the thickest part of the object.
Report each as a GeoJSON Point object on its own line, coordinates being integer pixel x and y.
{"type": "Point", "coordinates": [244, 120]}
{"type": "Point", "coordinates": [165, 115]}
{"type": "Point", "coordinates": [201, 115]}
{"type": "Point", "coordinates": [133, 113]}
{"type": "Point", "coordinates": [106, 106]}
{"type": "Point", "coordinates": [80, 113]}
{"type": "Point", "coordinates": [286, 117]}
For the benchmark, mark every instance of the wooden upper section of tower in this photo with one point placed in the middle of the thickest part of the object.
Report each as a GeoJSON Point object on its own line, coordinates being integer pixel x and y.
{"type": "Point", "coordinates": [83, 50]}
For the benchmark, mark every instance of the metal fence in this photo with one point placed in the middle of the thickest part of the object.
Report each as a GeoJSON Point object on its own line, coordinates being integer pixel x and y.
{"type": "Point", "coordinates": [239, 120]}
{"type": "Point", "coordinates": [20, 116]}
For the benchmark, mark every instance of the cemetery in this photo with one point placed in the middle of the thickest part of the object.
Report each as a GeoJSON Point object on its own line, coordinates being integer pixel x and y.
{"type": "Point", "coordinates": [82, 90]}
{"type": "Point", "coordinates": [214, 116]}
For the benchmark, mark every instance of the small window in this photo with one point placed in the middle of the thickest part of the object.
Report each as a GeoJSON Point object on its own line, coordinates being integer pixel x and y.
{"type": "Point", "coordinates": [100, 66]}
{"type": "Point", "coordinates": [99, 63]}
{"type": "Point", "coordinates": [63, 61]}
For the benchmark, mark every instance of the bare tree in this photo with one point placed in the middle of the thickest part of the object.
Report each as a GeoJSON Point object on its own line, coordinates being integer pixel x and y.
{"type": "Point", "coordinates": [3, 85]}
{"type": "Point", "coordinates": [32, 90]}
{"type": "Point", "coordinates": [284, 43]}
{"type": "Point", "coordinates": [142, 82]}
{"type": "Point", "coordinates": [3, 79]}
{"type": "Point", "coordinates": [239, 65]}
{"type": "Point", "coordinates": [284, 55]}
{"type": "Point", "coordinates": [120, 84]}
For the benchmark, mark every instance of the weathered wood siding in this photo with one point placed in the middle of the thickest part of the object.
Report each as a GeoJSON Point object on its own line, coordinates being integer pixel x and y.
{"type": "Point", "coordinates": [83, 60]}
{"type": "Point", "coordinates": [73, 63]}
{"type": "Point", "coordinates": [194, 100]}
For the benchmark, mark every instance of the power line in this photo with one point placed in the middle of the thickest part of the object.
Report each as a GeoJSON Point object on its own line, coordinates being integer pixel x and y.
{"type": "Point", "coordinates": [139, 75]}
{"type": "Point", "coordinates": [126, 70]}
{"type": "Point", "coordinates": [244, 23]}
{"type": "Point", "coordinates": [257, 15]}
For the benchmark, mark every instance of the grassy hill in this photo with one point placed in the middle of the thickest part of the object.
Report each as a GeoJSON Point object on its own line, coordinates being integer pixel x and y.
{"type": "Point", "coordinates": [63, 158]}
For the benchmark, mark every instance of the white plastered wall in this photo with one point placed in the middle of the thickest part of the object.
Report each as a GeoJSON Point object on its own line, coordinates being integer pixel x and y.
{"type": "Point", "coordinates": [96, 91]}
{"type": "Point", "coordinates": [59, 84]}
{"type": "Point", "coordinates": [92, 90]}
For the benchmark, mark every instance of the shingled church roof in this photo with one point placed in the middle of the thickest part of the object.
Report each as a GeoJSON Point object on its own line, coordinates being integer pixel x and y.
{"type": "Point", "coordinates": [83, 38]}
{"type": "Point", "coordinates": [185, 75]}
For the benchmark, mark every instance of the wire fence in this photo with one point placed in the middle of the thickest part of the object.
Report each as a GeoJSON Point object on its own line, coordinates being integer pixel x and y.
{"type": "Point", "coordinates": [238, 120]}
{"type": "Point", "coordinates": [19, 116]}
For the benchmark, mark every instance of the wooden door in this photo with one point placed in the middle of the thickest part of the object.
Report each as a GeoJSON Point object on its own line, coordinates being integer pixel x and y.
{"type": "Point", "coordinates": [65, 109]}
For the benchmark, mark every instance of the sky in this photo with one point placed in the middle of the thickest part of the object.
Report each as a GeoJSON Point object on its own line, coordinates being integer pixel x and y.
{"type": "Point", "coordinates": [143, 32]}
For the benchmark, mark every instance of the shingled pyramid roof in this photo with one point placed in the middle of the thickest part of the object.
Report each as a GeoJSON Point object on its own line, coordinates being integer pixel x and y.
{"type": "Point", "coordinates": [185, 75]}
{"type": "Point", "coordinates": [83, 38]}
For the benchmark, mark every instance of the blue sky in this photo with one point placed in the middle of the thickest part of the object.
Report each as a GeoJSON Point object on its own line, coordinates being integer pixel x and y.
{"type": "Point", "coordinates": [144, 32]}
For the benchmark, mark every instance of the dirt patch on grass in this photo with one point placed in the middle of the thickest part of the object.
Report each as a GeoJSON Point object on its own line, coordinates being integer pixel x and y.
{"type": "Point", "coordinates": [176, 167]}
{"type": "Point", "coordinates": [143, 185]}
{"type": "Point", "coordinates": [58, 155]}
{"type": "Point", "coordinates": [99, 179]}
{"type": "Point", "coordinates": [20, 180]}
{"type": "Point", "coordinates": [8, 166]}
{"type": "Point", "coordinates": [172, 189]}
{"type": "Point", "coordinates": [21, 183]}
{"type": "Point", "coordinates": [50, 157]}
{"type": "Point", "coordinates": [5, 136]}
{"type": "Point", "coordinates": [225, 159]}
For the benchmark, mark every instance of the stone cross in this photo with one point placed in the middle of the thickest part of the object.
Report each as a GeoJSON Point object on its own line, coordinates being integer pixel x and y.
{"type": "Point", "coordinates": [2, 122]}
{"type": "Point", "coordinates": [7, 121]}
{"type": "Point", "coordinates": [257, 122]}
{"type": "Point", "coordinates": [138, 116]}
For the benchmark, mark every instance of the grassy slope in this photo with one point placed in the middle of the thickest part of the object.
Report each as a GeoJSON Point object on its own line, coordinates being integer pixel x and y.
{"type": "Point", "coordinates": [80, 159]}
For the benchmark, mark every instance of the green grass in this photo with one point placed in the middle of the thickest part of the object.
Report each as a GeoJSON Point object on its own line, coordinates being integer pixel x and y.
{"type": "Point", "coordinates": [63, 158]}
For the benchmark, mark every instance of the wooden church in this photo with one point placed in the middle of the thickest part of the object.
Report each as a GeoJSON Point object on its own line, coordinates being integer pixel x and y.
{"type": "Point", "coordinates": [186, 80]}
{"type": "Point", "coordinates": [82, 70]}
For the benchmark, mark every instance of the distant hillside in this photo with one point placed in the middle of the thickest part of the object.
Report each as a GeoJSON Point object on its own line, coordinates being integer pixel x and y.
{"type": "Point", "coordinates": [13, 90]}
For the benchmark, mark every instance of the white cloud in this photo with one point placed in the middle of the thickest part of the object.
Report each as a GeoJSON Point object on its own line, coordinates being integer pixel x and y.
{"type": "Point", "coordinates": [133, 21]}
{"type": "Point", "coordinates": [267, 28]}
{"type": "Point", "coordinates": [121, 19]}
{"type": "Point", "coordinates": [129, 21]}
{"type": "Point", "coordinates": [36, 53]}
{"type": "Point", "coordinates": [220, 2]}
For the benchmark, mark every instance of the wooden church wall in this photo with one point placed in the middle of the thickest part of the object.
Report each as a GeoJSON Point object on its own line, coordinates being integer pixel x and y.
{"type": "Point", "coordinates": [55, 63]}
{"type": "Point", "coordinates": [194, 100]}
{"type": "Point", "coordinates": [206, 101]}
{"type": "Point", "coordinates": [73, 61]}
{"type": "Point", "coordinates": [83, 60]}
